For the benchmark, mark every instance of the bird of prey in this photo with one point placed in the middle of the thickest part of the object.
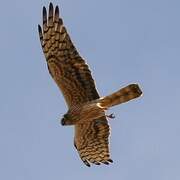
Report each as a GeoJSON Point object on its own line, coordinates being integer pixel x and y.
{"type": "Point", "coordinates": [86, 109]}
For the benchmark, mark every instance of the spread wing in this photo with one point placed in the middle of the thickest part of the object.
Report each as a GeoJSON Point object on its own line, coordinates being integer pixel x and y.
{"type": "Point", "coordinates": [73, 77]}
{"type": "Point", "coordinates": [65, 65]}
{"type": "Point", "coordinates": [91, 141]}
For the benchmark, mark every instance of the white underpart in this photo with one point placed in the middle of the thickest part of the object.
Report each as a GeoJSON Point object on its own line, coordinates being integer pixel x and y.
{"type": "Point", "coordinates": [100, 106]}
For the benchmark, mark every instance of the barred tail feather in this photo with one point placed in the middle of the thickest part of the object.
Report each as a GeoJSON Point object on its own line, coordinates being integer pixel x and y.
{"type": "Point", "coordinates": [123, 95]}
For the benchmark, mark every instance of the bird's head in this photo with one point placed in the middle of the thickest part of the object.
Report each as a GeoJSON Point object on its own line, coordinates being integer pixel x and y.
{"type": "Point", "coordinates": [66, 120]}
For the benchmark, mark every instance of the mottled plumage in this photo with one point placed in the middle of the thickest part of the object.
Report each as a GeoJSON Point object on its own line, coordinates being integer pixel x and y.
{"type": "Point", "coordinates": [73, 77]}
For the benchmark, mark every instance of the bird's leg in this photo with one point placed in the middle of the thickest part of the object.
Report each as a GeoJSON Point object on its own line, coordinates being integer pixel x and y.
{"type": "Point", "coordinates": [111, 116]}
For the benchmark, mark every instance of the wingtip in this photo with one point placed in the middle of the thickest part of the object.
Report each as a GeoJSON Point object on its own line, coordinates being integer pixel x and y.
{"type": "Point", "coordinates": [97, 163]}
{"type": "Point", "coordinates": [56, 11]}
{"type": "Point", "coordinates": [44, 14]}
{"type": "Point", "coordinates": [50, 7]}
{"type": "Point", "coordinates": [110, 160]}
{"type": "Point", "coordinates": [106, 163]}
{"type": "Point", "coordinates": [44, 10]}
{"type": "Point", "coordinates": [86, 163]}
{"type": "Point", "coordinates": [39, 28]}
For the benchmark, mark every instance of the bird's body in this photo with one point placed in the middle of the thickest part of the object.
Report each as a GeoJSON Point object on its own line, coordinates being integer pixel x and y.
{"type": "Point", "coordinates": [87, 111]}
{"type": "Point", "coordinates": [96, 108]}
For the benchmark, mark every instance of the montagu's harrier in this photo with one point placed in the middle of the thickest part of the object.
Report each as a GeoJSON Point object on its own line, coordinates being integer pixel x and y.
{"type": "Point", "coordinates": [87, 110]}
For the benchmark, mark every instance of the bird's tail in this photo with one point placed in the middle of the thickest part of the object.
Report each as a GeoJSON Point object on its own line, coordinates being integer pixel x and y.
{"type": "Point", "coordinates": [123, 95]}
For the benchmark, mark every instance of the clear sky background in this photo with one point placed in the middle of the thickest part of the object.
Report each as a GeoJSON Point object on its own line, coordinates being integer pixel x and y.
{"type": "Point", "coordinates": [123, 41]}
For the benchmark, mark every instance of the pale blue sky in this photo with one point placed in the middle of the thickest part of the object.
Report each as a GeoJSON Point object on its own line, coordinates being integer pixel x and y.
{"type": "Point", "coordinates": [124, 41]}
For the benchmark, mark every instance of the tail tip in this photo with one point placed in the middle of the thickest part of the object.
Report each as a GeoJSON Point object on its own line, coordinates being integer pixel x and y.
{"type": "Point", "coordinates": [136, 89]}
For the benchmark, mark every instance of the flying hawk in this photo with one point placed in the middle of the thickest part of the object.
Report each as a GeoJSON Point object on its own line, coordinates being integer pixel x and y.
{"type": "Point", "coordinates": [87, 110]}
